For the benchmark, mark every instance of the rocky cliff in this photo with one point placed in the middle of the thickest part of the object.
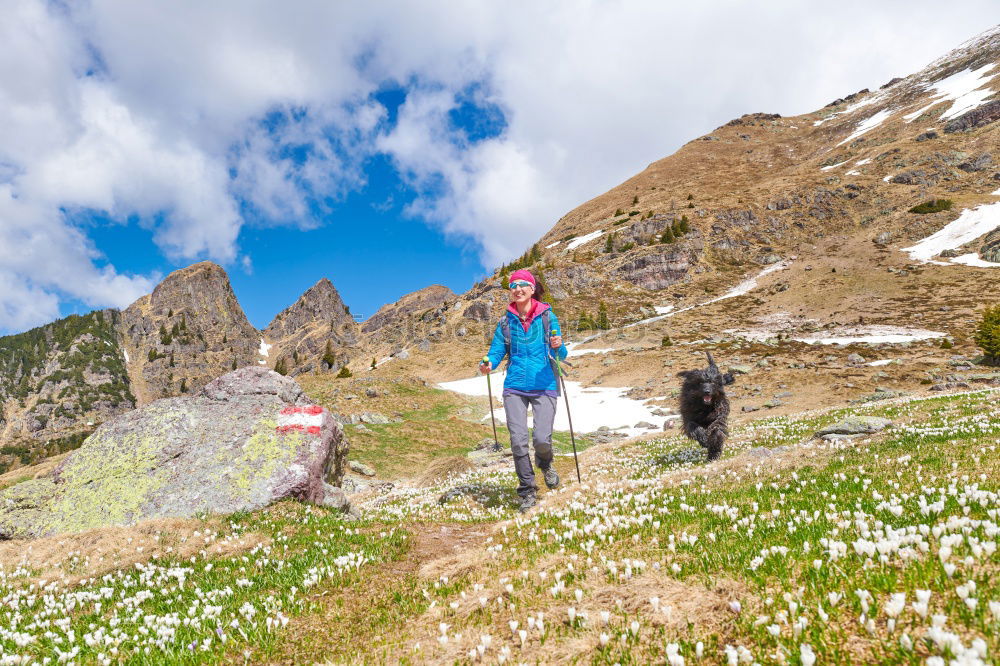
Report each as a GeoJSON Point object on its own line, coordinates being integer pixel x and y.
{"type": "Point", "coordinates": [412, 321]}
{"type": "Point", "coordinates": [190, 330]}
{"type": "Point", "coordinates": [314, 333]}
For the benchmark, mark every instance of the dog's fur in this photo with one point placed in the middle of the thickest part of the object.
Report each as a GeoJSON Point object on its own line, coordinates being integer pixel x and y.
{"type": "Point", "coordinates": [705, 407]}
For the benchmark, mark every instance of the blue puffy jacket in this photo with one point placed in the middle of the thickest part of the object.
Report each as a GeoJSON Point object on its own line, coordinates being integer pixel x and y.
{"type": "Point", "coordinates": [530, 367]}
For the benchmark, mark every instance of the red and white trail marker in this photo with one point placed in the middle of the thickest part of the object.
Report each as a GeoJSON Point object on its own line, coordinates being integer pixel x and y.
{"type": "Point", "coordinates": [302, 419]}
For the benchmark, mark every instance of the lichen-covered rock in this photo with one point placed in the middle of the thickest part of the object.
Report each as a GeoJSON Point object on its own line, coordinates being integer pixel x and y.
{"type": "Point", "coordinates": [856, 425]}
{"type": "Point", "coordinates": [249, 439]}
{"type": "Point", "coordinates": [361, 468]}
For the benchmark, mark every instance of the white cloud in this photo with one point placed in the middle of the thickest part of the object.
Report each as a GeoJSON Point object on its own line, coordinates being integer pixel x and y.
{"type": "Point", "coordinates": [41, 255]}
{"type": "Point", "coordinates": [164, 121]}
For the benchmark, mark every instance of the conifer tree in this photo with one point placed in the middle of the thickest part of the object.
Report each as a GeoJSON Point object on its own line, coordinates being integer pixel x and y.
{"type": "Point", "coordinates": [602, 317]}
{"type": "Point", "coordinates": [609, 244]}
{"type": "Point", "coordinates": [684, 225]}
{"type": "Point", "coordinates": [667, 236]}
{"type": "Point", "coordinates": [328, 357]}
{"type": "Point", "coordinates": [635, 199]}
{"type": "Point", "coordinates": [987, 335]}
{"type": "Point", "coordinates": [280, 367]}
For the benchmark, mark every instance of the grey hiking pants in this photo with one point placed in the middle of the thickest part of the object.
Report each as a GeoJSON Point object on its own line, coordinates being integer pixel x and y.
{"type": "Point", "coordinates": [543, 408]}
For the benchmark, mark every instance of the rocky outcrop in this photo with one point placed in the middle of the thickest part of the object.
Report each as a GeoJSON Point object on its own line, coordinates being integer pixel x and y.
{"type": "Point", "coordinates": [428, 298]}
{"type": "Point", "coordinates": [419, 316]}
{"type": "Point", "coordinates": [575, 279]}
{"type": "Point", "coordinates": [249, 439]}
{"type": "Point", "coordinates": [190, 330]}
{"type": "Point", "coordinates": [979, 163]}
{"type": "Point", "coordinates": [990, 250]}
{"type": "Point", "coordinates": [315, 330]}
{"type": "Point", "coordinates": [914, 177]}
{"type": "Point", "coordinates": [477, 311]}
{"type": "Point", "coordinates": [643, 231]}
{"type": "Point", "coordinates": [735, 218]}
{"type": "Point", "coordinates": [658, 270]}
{"type": "Point", "coordinates": [983, 115]}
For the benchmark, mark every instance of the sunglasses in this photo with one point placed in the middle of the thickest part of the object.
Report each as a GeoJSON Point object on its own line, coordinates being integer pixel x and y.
{"type": "Point", "coordinates": [520, 283]}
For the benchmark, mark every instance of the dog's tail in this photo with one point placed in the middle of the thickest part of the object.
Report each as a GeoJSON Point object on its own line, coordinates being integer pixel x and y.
{"type": "Point", "coordinates": [711, 361]}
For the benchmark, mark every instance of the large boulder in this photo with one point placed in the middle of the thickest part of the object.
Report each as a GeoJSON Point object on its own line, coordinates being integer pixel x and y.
{"type": "Point", "coordinates": [250, 438]}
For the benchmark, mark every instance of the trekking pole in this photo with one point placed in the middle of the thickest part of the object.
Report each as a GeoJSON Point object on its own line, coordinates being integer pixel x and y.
{"type": "Point", "coordinates": [489, 390]}
{"type": "Point", "coordinates": [569, 416]}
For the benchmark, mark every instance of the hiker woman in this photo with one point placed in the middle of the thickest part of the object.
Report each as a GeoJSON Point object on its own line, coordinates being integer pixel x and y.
{"type": "Point", "coordinates": [529, 334]}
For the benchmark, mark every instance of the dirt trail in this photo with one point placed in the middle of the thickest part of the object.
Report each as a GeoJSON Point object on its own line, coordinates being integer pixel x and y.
{"type": "Point", "coordinates": [367, 623]}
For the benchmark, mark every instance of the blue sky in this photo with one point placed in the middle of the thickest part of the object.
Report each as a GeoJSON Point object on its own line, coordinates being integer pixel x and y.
{"type": "Point", "coordinates": [386, 146]}
{"type": "Point", "coordinates": [364, 242]}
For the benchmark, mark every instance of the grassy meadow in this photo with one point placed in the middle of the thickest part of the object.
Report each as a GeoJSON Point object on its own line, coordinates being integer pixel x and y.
{"type": "Point", "coordinates": [878, 549]}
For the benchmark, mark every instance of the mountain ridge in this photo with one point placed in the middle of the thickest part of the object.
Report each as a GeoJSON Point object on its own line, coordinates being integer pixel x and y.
{"type": "Point", "coordinates": [825, 197]}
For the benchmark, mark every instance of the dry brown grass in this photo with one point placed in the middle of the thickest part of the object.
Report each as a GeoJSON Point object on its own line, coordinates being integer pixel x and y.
{"type": "Point", "coordinates": [73, 557]}
{"type": "Point", "coordinates": [685, 607]}
{"type": "Point", "coordinates": [442, 468]}
{"type": "Point", "coordinates": [37, 471]}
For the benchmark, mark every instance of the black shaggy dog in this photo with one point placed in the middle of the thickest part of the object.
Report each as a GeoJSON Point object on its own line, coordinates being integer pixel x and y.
{"type": "Point", "coordinates": [705, 407]}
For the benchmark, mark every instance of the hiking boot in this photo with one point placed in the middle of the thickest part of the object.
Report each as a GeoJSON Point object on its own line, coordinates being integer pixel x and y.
{"type": "Point", "coordinates": [527, 503]}
{"type": "Point", "coordinates": [551, 478]}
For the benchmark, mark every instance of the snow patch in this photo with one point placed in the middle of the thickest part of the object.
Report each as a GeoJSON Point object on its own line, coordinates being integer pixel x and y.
{"type": "Point", "coordinates": [744, 287]}
{"type": "Point", "coordinates": [577, 242]}
{"type": "Point", "coordinates": [852, 172]}
{"type": "Point", "coordinates": [885, 361]}
{"type": "Point", "coordinates": [592, 407]}
{"type": "Point", "coordinates": [964, 89]}
{"type": "Point", "coordinates": [886, 179]}
{"type": "Point", "coordinates": [970, 225]}
{"type": "Point", "coordinates": [871, 335]}
{"type": "Point", "coordinates": [834, 166]}
{"type": "Point", "coordinates": [852, 108]}
{"type": "Point", "coordinates": [847, 335]}
{"type": "Point", "coordinates": [750, 284]}
{"type": "Point", "coordinates": [863, 162]}
{"type": "Point", "coordinates": [868, 125]}
{"type": "Point", "coordinates": [125, 351]}
{"type": "Point", "coordinates": [571, 350]}
{"type": "Point", "coordinates": [264, 348]}
{"type": "Point", "coordinates": [973, 259]}
{"type": "Point", "coordinates": [552, 245]}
